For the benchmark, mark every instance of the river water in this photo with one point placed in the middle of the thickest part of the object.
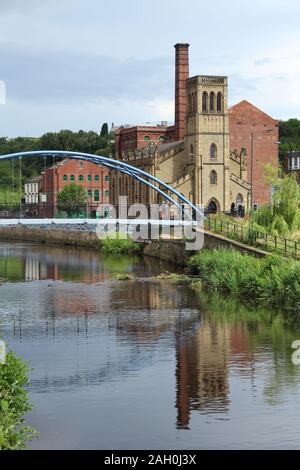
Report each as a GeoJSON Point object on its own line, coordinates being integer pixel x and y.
{"type": "Point", "coordinates": [143, 364]}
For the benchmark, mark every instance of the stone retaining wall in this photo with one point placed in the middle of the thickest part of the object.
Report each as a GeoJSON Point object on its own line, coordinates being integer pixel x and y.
{"type": "Point", "coordinates": [173, 251]}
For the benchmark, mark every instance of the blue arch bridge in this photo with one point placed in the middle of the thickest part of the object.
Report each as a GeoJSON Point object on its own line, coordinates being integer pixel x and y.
{"type": "Point", "coordinates": [189, 212]}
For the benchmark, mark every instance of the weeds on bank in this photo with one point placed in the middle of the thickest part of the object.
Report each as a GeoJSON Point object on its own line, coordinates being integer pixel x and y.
{"type": "Point", "coordinates": [118, 246]}
{"type": "Point", "coordinates": [14, 404]}
{"type": "Point", "coordinates": [270, 281]}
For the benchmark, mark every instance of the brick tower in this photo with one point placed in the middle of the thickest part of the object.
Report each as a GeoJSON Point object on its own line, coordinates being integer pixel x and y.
{"type": "Point", "coordinates": [181, 77]}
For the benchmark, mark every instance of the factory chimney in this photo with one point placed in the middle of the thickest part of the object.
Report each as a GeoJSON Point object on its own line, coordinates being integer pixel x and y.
{"type": "Point", "coordinates": [181, 76]}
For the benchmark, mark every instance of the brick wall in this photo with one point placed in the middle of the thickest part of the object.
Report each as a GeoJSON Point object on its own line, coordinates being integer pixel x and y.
{"type": "Point", "coordinates": [245, 119]}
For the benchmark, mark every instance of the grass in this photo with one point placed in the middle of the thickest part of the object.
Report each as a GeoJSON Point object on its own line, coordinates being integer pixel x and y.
{"type": "Point", "coordinates": [166, 276]}
{"type": "Point", "coordinates": [10, 197]}
{"type": "Point", "coordinates": [13, 404]}
{"type": "Point", "coordinates": [124, 277]}
{"type": "Point", "coordinates": [118, 246]}
{"type": "Point", "coordinates": [250, 233]}
{"type": "Point", "coordinates": [271, 282]}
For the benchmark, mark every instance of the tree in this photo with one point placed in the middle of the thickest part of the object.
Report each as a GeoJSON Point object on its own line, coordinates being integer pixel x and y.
{"type": "Point", "coordinates": [71, 199]}
{"type": "Point", "coordinates": [289, 136]}
{"type": "Point", "coordinates": [104, 130]}
{"type": "Point", "coordinates": [282, 216]}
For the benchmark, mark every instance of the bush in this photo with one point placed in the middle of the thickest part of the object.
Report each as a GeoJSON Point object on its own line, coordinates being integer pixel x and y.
{"type": "Point", "coordinates": [271, 281]}
{"type": "Point", "coordinates": [13, 404]}
{"type": "Point", "coordinates": [117, 246]}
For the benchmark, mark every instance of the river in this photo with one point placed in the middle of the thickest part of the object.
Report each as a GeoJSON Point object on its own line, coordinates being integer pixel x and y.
{"type": "Point", "coordinates": [143, 364]}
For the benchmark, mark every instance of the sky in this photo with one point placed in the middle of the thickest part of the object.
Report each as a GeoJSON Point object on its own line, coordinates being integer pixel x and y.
{"type": "Point", "coordinates": [74, 64]}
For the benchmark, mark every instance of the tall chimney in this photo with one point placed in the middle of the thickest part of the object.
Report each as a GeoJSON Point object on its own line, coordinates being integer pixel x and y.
{"type": "Point", "coordinates": [181, 76]}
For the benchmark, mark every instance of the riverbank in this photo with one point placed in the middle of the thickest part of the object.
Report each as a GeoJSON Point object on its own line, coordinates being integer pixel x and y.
{"type": "Point", "coordinates": [85, 235]}
{"type": "Point", "coordinates": [272, 282]}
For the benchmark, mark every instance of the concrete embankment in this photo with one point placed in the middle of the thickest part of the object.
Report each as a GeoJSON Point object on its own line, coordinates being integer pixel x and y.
{"type": "Point", "coordinates": [173, 251]}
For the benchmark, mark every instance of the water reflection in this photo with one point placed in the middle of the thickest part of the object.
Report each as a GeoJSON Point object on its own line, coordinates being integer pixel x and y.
{"type": "Point", "coordinates": [145, 364]}
{"type": "Point", "coordinates": [28, 262]}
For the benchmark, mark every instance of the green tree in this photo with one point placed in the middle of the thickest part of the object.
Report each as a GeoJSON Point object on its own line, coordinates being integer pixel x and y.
{"type": "Point", "coordinates": [104, 130]}
{"type": "Point", "coordinates": [282, 216]}
{"type": "Point", "coordinates": [71, 199]}
{"type": "Point", "coordinates": [289, 135]}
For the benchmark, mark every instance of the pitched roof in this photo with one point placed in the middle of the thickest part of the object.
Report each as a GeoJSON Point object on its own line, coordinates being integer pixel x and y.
{"type": "Point", "coordinates": [35, 179]}
{"type": "Point", "coordinates": [250, 106]}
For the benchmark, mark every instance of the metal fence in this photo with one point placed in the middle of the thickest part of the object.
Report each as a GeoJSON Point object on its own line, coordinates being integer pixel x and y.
{"type": "Point", "coordinates": [39, 211]}
{"type": "Point", "coordinates": [251, 236]}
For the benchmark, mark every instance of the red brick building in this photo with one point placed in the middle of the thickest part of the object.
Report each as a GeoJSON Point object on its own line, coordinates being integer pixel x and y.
{"type": "Point", "coordinates": [93, 178]}
{"type": "Point", "coordinates": [129, 139]}
{"type": "Point", "coordinates": [249, 129]}
{"type": "Point", "coordinates": [258, 133]}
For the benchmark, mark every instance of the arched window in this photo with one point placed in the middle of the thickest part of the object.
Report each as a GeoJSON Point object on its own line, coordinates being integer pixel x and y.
{"type": "Point", "coordinates": [147, 138]}
{"type": "Point", "coordinates": [72, 178]}
{"type": "Point", "coordinates": [195, 102]}
{"type": "Point", "coordinates": [239, 200]}
{"type": "Point", "coordinates": [89, 178]}
{"type": "Point", "coordinates": [212, 207]}
{"type": "Point", "coordinates": [213, 177]}
{"type": "Point", "coordinates": [97, 178]}
{"type": "Point", "coordinates": [65, 178]}
{"type": "Point", "coordinates": [191, 150]}
{"type": "Point", "coordinates": [212, 99]}
{"type": "Point", "coordinates": [80, 178]}
{"type": "Point", "coordinates": [219, 102]}
{"type": "Point", "coordinates": [204, 101]}
{"type": "Point", "coordinates": [213, 152]}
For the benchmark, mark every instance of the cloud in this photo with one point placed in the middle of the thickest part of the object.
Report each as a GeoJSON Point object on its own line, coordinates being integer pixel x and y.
{"type": "Point", "coordinates": [67, 77]}
{"type": "Point", "coordinates": [6, 5]}
{"type": "Point", "coordinates": [264, 61]}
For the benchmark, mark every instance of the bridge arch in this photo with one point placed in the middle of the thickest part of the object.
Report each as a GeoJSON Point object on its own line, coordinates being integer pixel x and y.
{"type": "Point", "coordinates": [136, 173]}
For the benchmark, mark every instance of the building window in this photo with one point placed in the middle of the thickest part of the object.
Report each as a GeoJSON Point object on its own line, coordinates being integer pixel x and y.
{"type": "Point", "coordinates": [106, 178]}
{"type": "Point", "coordinates": [96, 196]}
{"type": "Point", "coordinates": [219, 102]}
{"type": "Point", "coordinates": [213, 152]}
{"type": "Point", "coordinates": [204, 101]}
{"type": "Point", "coordinates": [161, 139]}
{"type": "Point", "coordinates": [212, 99]}
{"type": "Point", "coordinates": [212, 207]}
{"type": "Point", "coordinates": [89, 178]}
{"type": "Point", "coordinates": [80, 178]}
{"type": "Point", "coordinates": [97, 178]}
{"type": "Point", "coordinates": [213, 177]}
{"type": "Point", "coordinates": [195, 103]}
{"type": "Point", "coordinates": [239, 200]}
{"type": "Point", "coordinates": [190, 103]}
{"type": "Point", "coordinates": [107, 193]}
{"type": "Point", "coordinates": [191, 150]}
{"type": "Point", "coordinates": [89, 193]}
{"type": "Point", "coordinates": [147, 138]}
{"type": "Point", "coordinates": [72, 178]}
